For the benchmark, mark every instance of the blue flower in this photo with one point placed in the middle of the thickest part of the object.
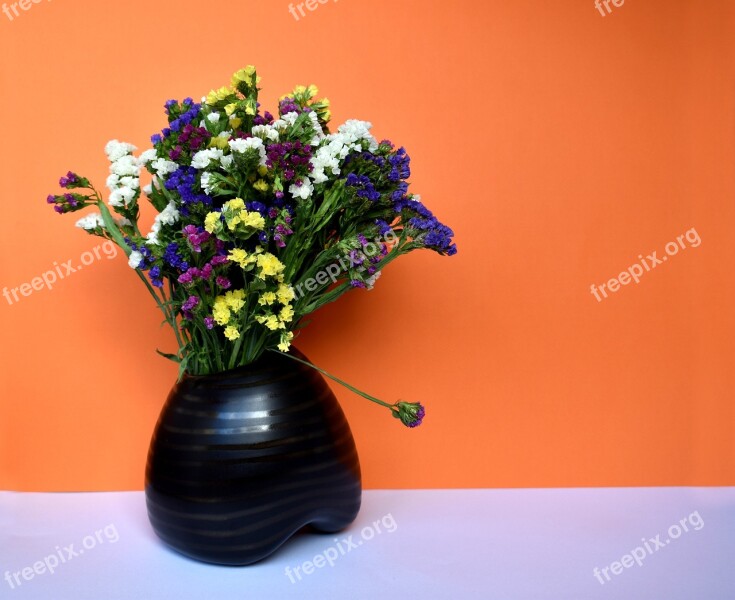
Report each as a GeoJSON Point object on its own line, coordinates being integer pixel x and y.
{"type": "Point", "coordinates": [171, 256]}
{"type": "Point", "coordinates": [155, 275]}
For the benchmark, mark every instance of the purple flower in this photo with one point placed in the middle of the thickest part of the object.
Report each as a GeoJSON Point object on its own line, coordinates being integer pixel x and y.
{"type": "Point", "coordinates": [196, 236]}
{"type": "Point", "coordinates": [209, 322]}
{"type": "Point", "coordinates": [71, 180]}
{"type": "Point", "coordinates": [185, 277]}
{"type": "Point", "coordinates": [411, 414]}
{"type": "Point", "coordinates": [223, 282]}
{"type": "Point", "coordinates": [383, 226]}
{"type": "Point", "coordinates": [68, 202]}
{"type": "Point", "coordinates": [356, 258]}
{"type": "Point", "coordinates": [189, 305]}
{"type": "Point", "coordinates": [218, 260]}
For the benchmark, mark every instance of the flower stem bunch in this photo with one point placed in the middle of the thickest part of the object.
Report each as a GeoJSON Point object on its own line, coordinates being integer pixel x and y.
{"type": "Point", "coordinates": [248, 207]}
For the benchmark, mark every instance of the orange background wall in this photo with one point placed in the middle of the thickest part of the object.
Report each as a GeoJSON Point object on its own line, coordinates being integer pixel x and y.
{"type": "Point", "coordinates": [559, 143]}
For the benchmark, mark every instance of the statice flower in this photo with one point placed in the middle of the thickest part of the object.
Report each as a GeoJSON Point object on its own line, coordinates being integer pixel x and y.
{"type": "Point", "coordinates": [187, 307]}
{"type": "Point", "coordinates": [91, 222]}
{"type": "Point", "coordinates": [411, 414]}
{"type": "Point", "coordinates": [168, 216]}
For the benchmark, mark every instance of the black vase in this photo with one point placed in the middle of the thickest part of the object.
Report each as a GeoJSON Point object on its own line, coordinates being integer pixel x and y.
{"type": "Point", "coordinates": [241, 460]}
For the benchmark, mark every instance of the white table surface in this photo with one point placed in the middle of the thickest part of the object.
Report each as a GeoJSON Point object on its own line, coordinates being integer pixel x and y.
{"type": "Point", "coordinates": [489, 544]}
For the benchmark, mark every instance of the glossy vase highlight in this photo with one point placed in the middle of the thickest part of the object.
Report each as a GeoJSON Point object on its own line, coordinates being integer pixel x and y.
{"type": "Point", "coordinates": [239, 461]}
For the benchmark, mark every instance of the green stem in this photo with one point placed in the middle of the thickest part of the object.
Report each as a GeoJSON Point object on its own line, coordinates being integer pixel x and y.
{"type": "Point", "coordinates": [338, 380]}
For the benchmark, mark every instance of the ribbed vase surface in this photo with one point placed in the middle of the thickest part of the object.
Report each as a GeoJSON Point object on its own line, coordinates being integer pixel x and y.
{"type": "Point", "coordinates": [240, 461]}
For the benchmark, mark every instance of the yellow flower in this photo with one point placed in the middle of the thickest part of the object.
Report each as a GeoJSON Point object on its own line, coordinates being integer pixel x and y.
{"type": "Point", "coordinates": [220, 312]}
{"type": "Point", "coordinates": [261, 185]}
{"type": "Point", "coordinates": [242, 258]}
{"type": "Point", "coordinates": [245, 75]}
{"type": "Point", "coordinates": [234, 204]}
{"type": "Point", "coordinates": [286, 338]}
{"type": "Point", "coordinates": [313, 90]}
{"type": "Point", "coordinates": [218, 142]}
{"type": "Point", "coordinates": [216, 95]}
{"type": "Point", "coordinates": [235, 122]}
{"type": "Point", "coordinates": [230, 108]}
{"type": "Point", "coordinates": [211, 221]}
{"type": "Point", "coordinates": [299, 89]}
{"type": "Point", "coordinates": [235, 299]}
{"type": "Point", "coordinates": [272, 322]}
{"type": "Point", "coordinates": [324, 102]}
{"type": "Point", "coordinates": [238, 255]}
{"type": "Point", "coordinates": [267, 298]}
{"type": "Point", "coordinates": [286, 313]}
{"type": "Point", "coordinates": [269, 265]}
{"type": "Point", "coordinates": [233, 222]}
{"type": "Point", "coordinates": [252, 219]}
{"type": "Point", "coordinates": [285, 293]}
{"type": "Point", "coordinates": [231, 333]}
{"type": "Point", "coordinates": [262, 170]}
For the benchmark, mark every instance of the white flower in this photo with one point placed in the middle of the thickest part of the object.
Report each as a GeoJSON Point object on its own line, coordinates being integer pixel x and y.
{"type": "Point", "coordinates": [122, 196]}
{"type": "Point", "coordinates": [91, 221]}
{"type": "Point", "coordinates": [253, 143]}
{"type": "Point", "coordinates": [112, 182]}
{"type": "Point", "coordinates": [202, 158]}
{"type": "Point", "coordinates": [226, 161]}
{"type": "Point", "coordinates": [116, 200]}
{"type": "Point", "coordinates": [147, 156]}
{"type": "Point", "coordinates": [303, 191]}
{"type": "Point", "coordinates": [318, 131]}
{"type": "Point", "coordinates": [123, 222]}
{"type": "Point", "coordinates": [116, 149]}
{"type": "Point", "coordinates": [168, 216]}
{"type": "Point", "coordinates": [266, 132]}
{"type": "Point", "coordinates": [353, 131]}
{"type": "Point", "coordinates": [135, 259]}
{"type": "Point", "coordinates": [213, 117]}
{"type": "Point", "coordinates": [163, 167]}
{"type": "Point", "coordinates": [290, 118]}
{"type": "Point", "coordinates": [326, 157]}
{"type": "Point", "coordinates": [206, 176]}
{"type": "Point", "coordinates": [132, 182]}
{"type": "Point", "coordinates": [148, 189]}
{"type": "Point", "coordinates": [126, 165]}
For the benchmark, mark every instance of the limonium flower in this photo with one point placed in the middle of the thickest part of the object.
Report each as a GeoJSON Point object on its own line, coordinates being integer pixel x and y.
{"type": "Point", "coordinates": [411, 414]}
{"type": "Point", "coordinates": [259, 219]}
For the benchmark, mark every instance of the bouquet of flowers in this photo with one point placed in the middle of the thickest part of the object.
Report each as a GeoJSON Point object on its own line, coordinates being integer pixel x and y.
{"type": "Point", "coordinates": [260, 220]}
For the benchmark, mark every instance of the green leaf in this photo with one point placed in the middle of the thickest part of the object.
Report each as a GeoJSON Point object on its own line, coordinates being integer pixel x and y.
{"type": "Point", "coordinates": [174, 357]}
